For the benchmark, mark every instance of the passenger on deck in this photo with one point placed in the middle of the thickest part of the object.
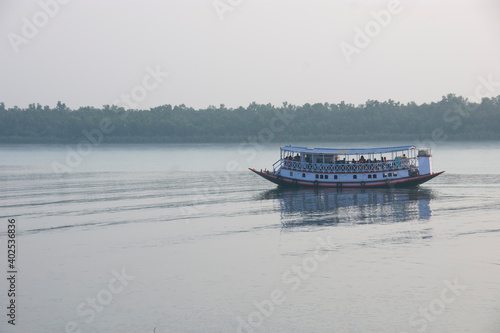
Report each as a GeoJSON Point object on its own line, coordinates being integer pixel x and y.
{"type": "Point", "coordinates": [353, 161]}
{"type": "Point", "coordinates": [362, 159]}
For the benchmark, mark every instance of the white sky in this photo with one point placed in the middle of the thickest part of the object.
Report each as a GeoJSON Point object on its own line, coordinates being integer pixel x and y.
{"type": "Point", "coordinates": [268, 51]}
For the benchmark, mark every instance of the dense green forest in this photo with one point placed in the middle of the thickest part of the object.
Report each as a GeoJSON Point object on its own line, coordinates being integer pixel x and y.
{"type": "Point", "coordinates": [452, 118]}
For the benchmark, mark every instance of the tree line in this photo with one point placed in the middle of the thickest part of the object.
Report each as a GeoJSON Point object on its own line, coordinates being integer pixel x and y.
{"type": "Point", "coordinates": [451, 118]}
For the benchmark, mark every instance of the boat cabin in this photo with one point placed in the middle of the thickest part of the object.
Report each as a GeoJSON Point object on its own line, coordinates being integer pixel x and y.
{"type": "Point", "coordinates": [355, 165]}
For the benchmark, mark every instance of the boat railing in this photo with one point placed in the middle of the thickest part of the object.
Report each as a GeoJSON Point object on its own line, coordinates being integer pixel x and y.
{"type": "Point", "coordinates": [278, 164]}
{"type": "Point", "coordinates": [406, 163]}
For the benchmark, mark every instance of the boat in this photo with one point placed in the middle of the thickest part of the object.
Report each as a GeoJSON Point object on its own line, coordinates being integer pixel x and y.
{"type": "Point", "coordinates": [403, 166]}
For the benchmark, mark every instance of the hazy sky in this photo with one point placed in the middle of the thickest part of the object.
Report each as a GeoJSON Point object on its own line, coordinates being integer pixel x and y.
{"type": "Point", "coordinates": [94, 52]}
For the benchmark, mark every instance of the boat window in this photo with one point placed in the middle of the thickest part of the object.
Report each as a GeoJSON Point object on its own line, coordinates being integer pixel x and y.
{"type": "Point", "coordinates": [317, 176]}
{"type": "Point", "coordinates": [385, 175]}
{"type": "Point", "coordinates": [374, 176]}
{"type": "Point", "coordinates": [395, 174]}
{"type": "Point", "coordinates": [354, 176]}
{"type": "Point", "coordinates": [390, 174]}
{"type": "Point", "coordinates": [369, 176]}
{"type": "Point", "coordinates": [321, 176]}
{"type": "Point", "coordinates": [303, 175]}
{"type": "Point", "coordinates": [291, 173]}
{"type": "Point", "coordinates": [335, 177]}
{"type": "Point", "coordinates": [326, 176]}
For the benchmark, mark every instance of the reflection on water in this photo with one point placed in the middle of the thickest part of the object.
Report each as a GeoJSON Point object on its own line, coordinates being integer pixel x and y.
{"type": "Point", "coordinates": [309, 206]}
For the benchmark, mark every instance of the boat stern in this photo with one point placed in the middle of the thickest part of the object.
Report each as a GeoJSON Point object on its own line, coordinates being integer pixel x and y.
{"type": "Point", "coordinates": [425, 161]}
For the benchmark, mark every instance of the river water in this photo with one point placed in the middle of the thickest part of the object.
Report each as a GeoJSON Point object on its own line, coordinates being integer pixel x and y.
{"type": "Point", "coordinates": [183, 238]}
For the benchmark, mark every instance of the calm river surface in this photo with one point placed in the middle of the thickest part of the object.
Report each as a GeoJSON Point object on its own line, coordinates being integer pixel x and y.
{"type": "Point", "coordinates": [134, 237]}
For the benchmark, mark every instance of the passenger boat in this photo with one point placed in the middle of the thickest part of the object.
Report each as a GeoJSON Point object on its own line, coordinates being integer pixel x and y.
{"type": "Point", "coordinates": [402, 166]}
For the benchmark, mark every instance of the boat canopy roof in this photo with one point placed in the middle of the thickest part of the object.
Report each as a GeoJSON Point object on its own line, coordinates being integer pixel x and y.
{"type": "Point", "coordinates": [329, 151]}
